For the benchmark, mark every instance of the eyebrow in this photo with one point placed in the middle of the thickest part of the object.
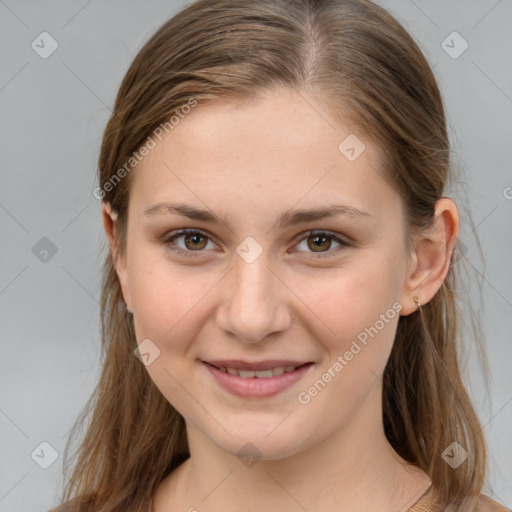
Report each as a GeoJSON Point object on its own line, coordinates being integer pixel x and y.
{"type": "Point", "coordinates": [285, 219]}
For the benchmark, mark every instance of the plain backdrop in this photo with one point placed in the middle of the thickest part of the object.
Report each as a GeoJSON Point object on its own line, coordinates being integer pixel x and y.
{"type": "Point", "coordinates": [53, 111]}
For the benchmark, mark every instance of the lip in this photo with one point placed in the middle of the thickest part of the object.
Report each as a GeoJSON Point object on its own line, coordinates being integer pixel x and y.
{"type": "Point", "coordinates": [255, 387]}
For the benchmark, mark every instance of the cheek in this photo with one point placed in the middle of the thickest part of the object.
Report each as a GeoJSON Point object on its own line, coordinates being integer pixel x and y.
{"type": "Point", "coordinates": [364, 328]}
{"type": "Point", "coordinates": [345, 301]}
{"type": "Point", "coordinates": [365, 313]}
{"type": "Point", "coordinates": [166, 307]}
{"type": "Point", "coordinates": [164, 298]}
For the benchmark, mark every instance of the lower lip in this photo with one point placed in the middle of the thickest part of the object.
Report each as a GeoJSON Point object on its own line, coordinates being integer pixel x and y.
{"type": "Point", "coordinates": [255, 387]}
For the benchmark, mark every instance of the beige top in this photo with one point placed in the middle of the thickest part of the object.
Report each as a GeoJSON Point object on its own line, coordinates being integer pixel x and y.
{"type": "Point", "coordinates": [483, 504]}
{"type": "Point", "coordinates": [424, 504]}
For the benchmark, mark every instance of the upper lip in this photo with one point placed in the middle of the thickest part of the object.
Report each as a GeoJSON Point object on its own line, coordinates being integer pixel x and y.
{"type": "Point", "coordinates": [239, 364]}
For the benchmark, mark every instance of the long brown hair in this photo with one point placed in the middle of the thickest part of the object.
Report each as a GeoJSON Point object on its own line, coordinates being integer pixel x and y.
{"type": "Point", "coordinates": [364, 66]}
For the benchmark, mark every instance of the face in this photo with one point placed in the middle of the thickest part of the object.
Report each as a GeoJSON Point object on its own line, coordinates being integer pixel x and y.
{"type": "Point", "coordinates": [247, 293]}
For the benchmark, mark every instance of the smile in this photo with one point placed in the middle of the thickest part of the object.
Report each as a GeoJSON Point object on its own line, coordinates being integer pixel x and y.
{"type": "Point", "coordinates": [256, 382]}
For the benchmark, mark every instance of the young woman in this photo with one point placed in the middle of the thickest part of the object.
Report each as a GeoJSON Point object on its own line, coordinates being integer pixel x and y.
{"type": "Point", "coordinates": [279, 318]}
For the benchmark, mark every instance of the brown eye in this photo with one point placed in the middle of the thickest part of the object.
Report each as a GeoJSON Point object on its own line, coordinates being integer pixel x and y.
{"type": "Point", "coordinates": [319, 243]}
{"type": "Point", "coordinates": [193, 241]}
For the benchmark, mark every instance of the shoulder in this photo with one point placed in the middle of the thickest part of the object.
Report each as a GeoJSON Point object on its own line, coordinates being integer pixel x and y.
{"type": "Point", "coordinates": [479, 503]}
{"type": "Point", "coordinates": [486, 504]}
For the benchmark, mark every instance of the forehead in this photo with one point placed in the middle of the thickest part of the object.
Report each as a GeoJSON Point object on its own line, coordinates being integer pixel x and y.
{"type": "Point", "coordinates": [274, 150]}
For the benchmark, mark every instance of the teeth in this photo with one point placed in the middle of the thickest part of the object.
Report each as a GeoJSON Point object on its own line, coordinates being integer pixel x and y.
{"type": "Point", "coordinates": [264, 374]}
{"type": "Point", "coordinates": [260, 374]}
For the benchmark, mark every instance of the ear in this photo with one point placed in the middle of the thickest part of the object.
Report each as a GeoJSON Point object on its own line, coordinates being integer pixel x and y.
{"type": "Point", "coordinates": [109, 223]}
{"type": "Point", "coordinates": [432, 257]}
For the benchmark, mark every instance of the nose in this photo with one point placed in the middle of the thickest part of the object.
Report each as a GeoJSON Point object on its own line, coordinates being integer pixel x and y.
{"type": "Point", "coordinates": [255, 301]}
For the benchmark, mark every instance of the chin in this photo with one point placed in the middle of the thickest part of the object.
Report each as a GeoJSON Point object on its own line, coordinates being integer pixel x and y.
{"type": "Point", "coordinates": [255, 443]}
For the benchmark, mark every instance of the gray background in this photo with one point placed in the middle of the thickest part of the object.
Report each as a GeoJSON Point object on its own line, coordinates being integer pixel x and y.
{"type": "Point", "coordinates": [53, 112]}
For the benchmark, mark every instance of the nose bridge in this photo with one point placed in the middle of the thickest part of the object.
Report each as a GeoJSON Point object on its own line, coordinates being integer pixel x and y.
{"type": "Point", "coordinates": [253, 302]}
{"type": "Point", "coordinates": [252, 282]}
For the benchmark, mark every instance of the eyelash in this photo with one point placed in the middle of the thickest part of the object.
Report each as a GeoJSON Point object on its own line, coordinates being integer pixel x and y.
{"type": "Point", "coordinates": [319, 232]}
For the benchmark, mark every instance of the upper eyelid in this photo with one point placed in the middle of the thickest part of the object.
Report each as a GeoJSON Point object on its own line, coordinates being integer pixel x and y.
{"type": "Point", "coordinates": [176, 233]}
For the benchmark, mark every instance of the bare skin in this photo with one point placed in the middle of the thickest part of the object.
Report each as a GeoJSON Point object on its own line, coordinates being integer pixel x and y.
{"type": "Point", "coordinates": [250, 163]}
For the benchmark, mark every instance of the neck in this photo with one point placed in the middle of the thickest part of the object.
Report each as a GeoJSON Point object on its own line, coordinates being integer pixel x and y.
{"type": "Point", "coordinates": [354, 469]}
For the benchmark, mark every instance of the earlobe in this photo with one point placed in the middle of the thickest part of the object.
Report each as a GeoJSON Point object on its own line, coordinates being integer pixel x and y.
{"type": "Point", "coordinates": [432, 258]}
